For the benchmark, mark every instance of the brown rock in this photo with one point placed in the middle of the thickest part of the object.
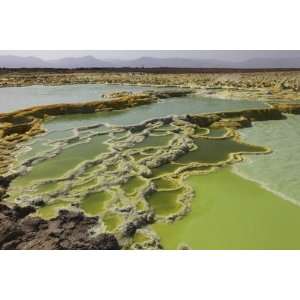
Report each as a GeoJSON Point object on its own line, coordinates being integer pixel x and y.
{"type": "Point", "coordinates": [69, 230]}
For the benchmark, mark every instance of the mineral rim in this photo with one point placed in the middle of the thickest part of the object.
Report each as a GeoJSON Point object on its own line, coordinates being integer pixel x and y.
{"type": "Point", "coordinates": [136, 172]}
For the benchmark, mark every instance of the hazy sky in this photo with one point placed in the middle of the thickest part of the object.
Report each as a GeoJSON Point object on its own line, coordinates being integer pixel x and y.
{"type": "Point", "coordinates": [228, 55]}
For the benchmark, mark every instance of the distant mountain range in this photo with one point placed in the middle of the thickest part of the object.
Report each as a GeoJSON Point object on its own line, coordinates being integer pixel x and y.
{"type": "Point", "coordinates": [12, 61]}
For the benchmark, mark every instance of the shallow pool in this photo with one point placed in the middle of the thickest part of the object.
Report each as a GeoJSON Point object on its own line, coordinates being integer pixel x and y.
{"type": "Point", "coordinates": [15, 98]}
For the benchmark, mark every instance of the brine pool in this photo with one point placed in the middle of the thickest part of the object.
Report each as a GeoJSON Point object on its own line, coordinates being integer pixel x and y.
{"type": "Point", "coordinates": [258, 209]}
{"type": "Point", "coordinates": [279, 172]}
{"type": "Point", "coordinates": [14, 98]}
{"type": "Point", "coordinates": [92, 163]}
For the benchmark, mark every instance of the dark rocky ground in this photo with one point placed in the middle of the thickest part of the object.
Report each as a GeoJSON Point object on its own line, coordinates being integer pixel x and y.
{"type": "Point", "coordinates": [69, 230]}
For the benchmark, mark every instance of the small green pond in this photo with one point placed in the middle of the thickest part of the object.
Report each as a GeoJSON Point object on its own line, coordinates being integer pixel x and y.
{"type": "Point", "coordinates": [165, 203]}
{"type": "Point", "coordinates": [94, 204]}
{"type": "Point", "coordinates": [213, 151]}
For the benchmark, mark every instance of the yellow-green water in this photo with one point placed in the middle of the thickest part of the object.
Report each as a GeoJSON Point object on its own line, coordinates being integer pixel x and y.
{"type": "Point", "coordinates": [94, 203]}
{"type": "Point", "coordinates": [112, 221]}
{"type": "Point", "coordinates": [164, 183]}
{"type": "Point", "coordinates": [133, 184]}
{"type": "Point", "coordinates": [155, 141]}
{"type": "Point", "coordinates": [165, 202]}
{"type": "Point", "coordinates": [51, 210]}
{"type": "Point", "coordinates": [229, 212]}
{"type": "Point", "coordinates": [211, 151]}
{"type": "Point", "coordinates": [139, 237]}
{"type": "Point", "coordinates": [65, 161]}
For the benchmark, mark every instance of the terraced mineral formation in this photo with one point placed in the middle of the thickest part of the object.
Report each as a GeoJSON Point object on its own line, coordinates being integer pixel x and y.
{"type": "Point", "coordinates": [102, 186]}
{"type": "Point", "coordinates": [19, 126]}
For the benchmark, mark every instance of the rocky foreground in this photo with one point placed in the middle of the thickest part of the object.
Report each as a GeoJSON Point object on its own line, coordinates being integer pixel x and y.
{"type": "Point", "coordinates": [69, 230]}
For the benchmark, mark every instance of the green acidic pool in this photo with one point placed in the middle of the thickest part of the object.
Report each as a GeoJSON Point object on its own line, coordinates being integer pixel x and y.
{"type": "Point", "coordinates": [140, 237]}
{"type": "Point", "coordinates": [212, 151]}
{"type": "Point", "coordinates": [93, 204]}
{"type": "Point", "coordinates": [65, 161]}
{"type": "Point", "coordinates": [155, 141]}
{"type": "Point", "coordinates": [133, 184]}
{"type": "Point", "coordinates": [165, 203]}
{"type": "Point", "coordinates": [112, 221]}
{"type": "Point", "coordinates": [50, 211]}
{"type": "Point", "coordinates": [218, 132]}
{"type": "Point", "coordinates": [229, 212]}
{"type": "Point", "coordinates": [164, 183]}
